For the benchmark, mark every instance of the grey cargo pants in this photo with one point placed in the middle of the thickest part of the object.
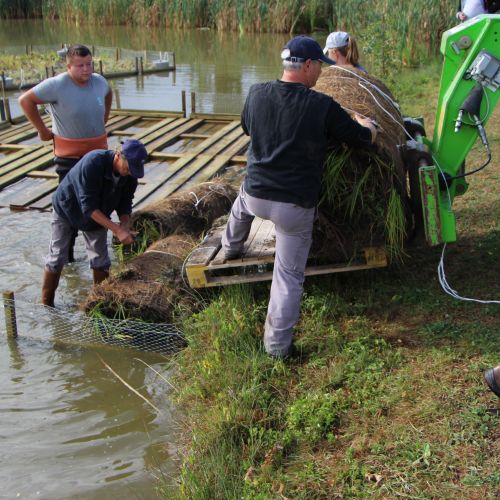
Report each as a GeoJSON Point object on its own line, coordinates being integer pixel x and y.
{"type": "Point", "coordinates": [293, 240]}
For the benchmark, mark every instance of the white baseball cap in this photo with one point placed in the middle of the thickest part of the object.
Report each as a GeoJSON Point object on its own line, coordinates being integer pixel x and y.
{"type": "Point", "coordinates": [336, 40]}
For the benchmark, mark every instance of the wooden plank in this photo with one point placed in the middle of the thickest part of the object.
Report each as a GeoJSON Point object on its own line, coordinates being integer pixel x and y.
{"type": "Point", "coordinates": [217, 116]}
{"type": "Point", "coordinates": [239, 159]}
{"type": "Point", "coordinates": [27, 157]}
{"type": "Point", "coordinates": [23, 132]}
{"type": "Point", "coordinates": [181, 175]}
{"type": "Point", "coordinates": [124, 122]}
{"type": "Point", "coordinates": [165, 140]}
{"type": "Point", "coordinates": [195, 136]}
{"type": "Point", "coordinates": [201, 276]}
{"type": "Point", "coordinates": [43, 174]}
{"type": "Point", "coordinates": [16, 156]}
{"type": "Point", "coordinates": [166, 156]}
{"type": "Point", "coordinates": [207, 248]}
{"type": "Point", "coordinates": [263, 243]}
{"type": "Point", "coordinates": [33, 193]}
{"type": "Point", "coordinates": [218, 260]}
{"type": "Point", "coordinates": [44, 203]}
{"type": "Point", "coordinates": [154, 133]}
{"type": "Point", "coordinates": [14, 147]}
{"type": "Point", "coordinates": [219, 162]}
{"type": "Point", "coordinates": [20, 172]}
{"type": "Point", "coordinates": [16, 190]}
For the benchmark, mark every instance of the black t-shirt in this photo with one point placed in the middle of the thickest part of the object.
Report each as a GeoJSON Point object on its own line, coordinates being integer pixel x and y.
{"type": "Point", "coordinates": [290, 127]}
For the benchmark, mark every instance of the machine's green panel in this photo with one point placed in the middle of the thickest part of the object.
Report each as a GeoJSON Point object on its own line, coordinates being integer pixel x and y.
{"type": "Point", "coordinates": [460, 46]}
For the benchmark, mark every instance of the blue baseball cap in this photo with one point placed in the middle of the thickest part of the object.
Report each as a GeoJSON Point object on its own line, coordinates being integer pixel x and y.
{"type": "Point", "coordinates": [301, 48]}
{"type": "Point", "coordinates": [136, 155]}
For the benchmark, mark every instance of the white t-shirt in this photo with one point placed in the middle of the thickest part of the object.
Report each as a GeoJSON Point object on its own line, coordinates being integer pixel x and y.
{"type": "Point", "coordinates": [473, 8]}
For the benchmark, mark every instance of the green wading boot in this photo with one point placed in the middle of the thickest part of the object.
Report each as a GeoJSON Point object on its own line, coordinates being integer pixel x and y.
{"type": "Point", "coordinates": [49, 287]}
{"type": "Point", "coordinates": [99, 276]}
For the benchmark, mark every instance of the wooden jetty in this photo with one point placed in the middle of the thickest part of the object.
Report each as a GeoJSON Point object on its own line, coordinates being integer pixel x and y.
{"type": "Point", "coordinates": [182, 152]}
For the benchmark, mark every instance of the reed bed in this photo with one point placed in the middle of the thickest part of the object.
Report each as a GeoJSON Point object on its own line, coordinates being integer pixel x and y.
{"type": "Point", "coordinates": [407, 25]}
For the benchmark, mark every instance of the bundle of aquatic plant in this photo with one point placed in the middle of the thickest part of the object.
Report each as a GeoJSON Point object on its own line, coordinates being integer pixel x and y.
{"type": "Point", "coordinates": [148, 287]}
{"type": "Point", "coordinates": [363, 199]}
{"type": "Point", "coordinates": [187, 212]}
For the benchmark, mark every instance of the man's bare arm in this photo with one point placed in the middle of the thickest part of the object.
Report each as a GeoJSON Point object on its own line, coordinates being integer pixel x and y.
{"type": "Point", "coordinates": [28, 102]}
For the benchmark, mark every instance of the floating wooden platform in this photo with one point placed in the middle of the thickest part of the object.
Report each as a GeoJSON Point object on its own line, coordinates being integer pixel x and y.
{"type": "Point", "coordinates": [206, 266]}
{"type": "Point", "coordinates": [182, 152]}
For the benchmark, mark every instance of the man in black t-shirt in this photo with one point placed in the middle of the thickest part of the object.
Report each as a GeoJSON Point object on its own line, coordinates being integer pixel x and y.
{"type": "Point", "coordinates": [290, 127]}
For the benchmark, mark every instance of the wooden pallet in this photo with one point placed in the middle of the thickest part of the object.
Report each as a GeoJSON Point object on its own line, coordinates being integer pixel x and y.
{"type": "Point", "coordinates": [182, 152]}
{"type": "Point", "coordinates": [206, 267]}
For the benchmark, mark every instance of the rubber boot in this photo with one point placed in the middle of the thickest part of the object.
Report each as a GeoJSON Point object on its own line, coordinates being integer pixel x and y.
{"type": "Point", "coordinates": [99, 276]}
{"type": "Point", "coordinates": [71, 248]}
{"type": "Point", "coordinates": [49, 287]}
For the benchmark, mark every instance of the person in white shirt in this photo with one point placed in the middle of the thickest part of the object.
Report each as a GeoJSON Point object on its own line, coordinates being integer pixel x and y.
{"type": "Point", "coordinates": [470, 9]}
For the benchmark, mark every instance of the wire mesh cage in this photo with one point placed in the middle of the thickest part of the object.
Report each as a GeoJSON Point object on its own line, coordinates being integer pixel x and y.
{"type": "Point", "coordinates": [35, 321]}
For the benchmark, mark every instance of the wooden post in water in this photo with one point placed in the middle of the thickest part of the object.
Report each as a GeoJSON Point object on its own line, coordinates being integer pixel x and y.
{"type": "Point", "coordinates": [136, 65]}
{"type": "Point", "coordinates": [53, 71]}
{"type": "Point", "coordinates": [193, 102]}
{"type": "Point", "coordinates": [141, 66]}
{"type": "Point", "coordinates": [46, 72]}
{"type": "Point", "coordinates": [93, 51]}
{"type": "Point", "coordinates": [116, 95]}
{"type": "Point", "coordinates": [5, 102]}
{"type": "Point", "coordinates": [183, 98]}
{"type": "Point", "coordinates": [117, 54]}
{"type": "Point", "coordinates": [9, 307]}
{"type": "Point", "coordinates": [100, 67]}
{"type": "Point", "coordinates": [173, 59]}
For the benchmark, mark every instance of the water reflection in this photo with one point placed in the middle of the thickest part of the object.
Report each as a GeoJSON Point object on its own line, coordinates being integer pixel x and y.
{"type": "Point", "coordinates": [68, 425]}
{"type": "Point", "coordinates": [218, 67]}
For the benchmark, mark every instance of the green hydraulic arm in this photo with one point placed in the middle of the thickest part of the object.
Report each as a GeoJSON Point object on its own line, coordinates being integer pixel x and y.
{"type": "Point", "coordinates": [470, 80]}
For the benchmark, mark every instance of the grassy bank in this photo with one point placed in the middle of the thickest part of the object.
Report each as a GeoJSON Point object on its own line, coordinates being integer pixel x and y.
{"type": "Point", "coordinates": [407, 25]}
{"type": "Point", "coordinates": [386, 399]}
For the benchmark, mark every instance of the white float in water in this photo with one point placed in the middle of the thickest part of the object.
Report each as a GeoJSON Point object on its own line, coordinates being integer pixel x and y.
{"type": "Point", "coordinates": [163, 62]}
{"type": "Point", "coordinates": [8, 83]}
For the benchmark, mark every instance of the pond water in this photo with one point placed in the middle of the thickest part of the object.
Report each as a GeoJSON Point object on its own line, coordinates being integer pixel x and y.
{"type": "Point", "coordinates": [68, 427]}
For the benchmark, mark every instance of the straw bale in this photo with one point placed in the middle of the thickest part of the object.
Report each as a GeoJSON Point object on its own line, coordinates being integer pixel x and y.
{"type": "Point", "coordinates": [364, 198]}
{"type": "Point", "coordinates": [359, 92]}
{"type": "Point", "coordinates": [148, 287]}
{"type": "Point", "coordinates": [187, 212]}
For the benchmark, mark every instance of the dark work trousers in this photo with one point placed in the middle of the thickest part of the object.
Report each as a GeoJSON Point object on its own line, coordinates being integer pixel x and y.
{"type": "Point", "coordinates": [63, 166]}
{"type": "Point", "coordinates": [293, 225]}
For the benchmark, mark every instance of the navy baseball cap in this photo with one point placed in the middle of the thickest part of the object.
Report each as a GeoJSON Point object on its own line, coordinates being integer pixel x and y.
{"type": "Point", "coordinates": [136, 155]}
{"type": "Point", "coordinates": [301, 48]}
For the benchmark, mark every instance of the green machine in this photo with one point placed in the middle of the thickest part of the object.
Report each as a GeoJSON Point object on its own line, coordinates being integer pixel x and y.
{"type": "Point", "coordinates": [469, 91]}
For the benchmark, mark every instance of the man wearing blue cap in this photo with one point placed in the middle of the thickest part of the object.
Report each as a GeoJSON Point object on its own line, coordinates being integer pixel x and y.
{"type": "Point", "coordinates": [290, 127]}
{"type": "Point", "coordinates": [100, 183]}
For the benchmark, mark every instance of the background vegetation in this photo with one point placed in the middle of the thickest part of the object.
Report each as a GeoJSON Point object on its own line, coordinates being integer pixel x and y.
{"type": "Point", "coordinates": [406, 24]}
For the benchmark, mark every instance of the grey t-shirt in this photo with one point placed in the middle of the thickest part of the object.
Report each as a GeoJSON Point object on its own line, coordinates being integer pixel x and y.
{"type": "Point", "coordinates": [77, 112]}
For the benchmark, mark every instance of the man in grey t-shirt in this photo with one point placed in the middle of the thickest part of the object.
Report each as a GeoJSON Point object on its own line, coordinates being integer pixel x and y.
{"type": "Point", "coordinates": [80, 102]}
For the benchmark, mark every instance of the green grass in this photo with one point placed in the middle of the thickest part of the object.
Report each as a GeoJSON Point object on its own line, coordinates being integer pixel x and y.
{"type": "Point", "coordinates": [386, 399]}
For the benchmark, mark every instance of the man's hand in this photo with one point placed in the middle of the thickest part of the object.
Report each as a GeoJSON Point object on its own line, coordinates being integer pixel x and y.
{"type": "Point", "coordinates": [368, 123]}
{"type": "Point", "coordinates": [124, 235]}
{"type": "Point", "coordinates": [45, 134]}
{"type": "Point", "coordinates": [461, 16]}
